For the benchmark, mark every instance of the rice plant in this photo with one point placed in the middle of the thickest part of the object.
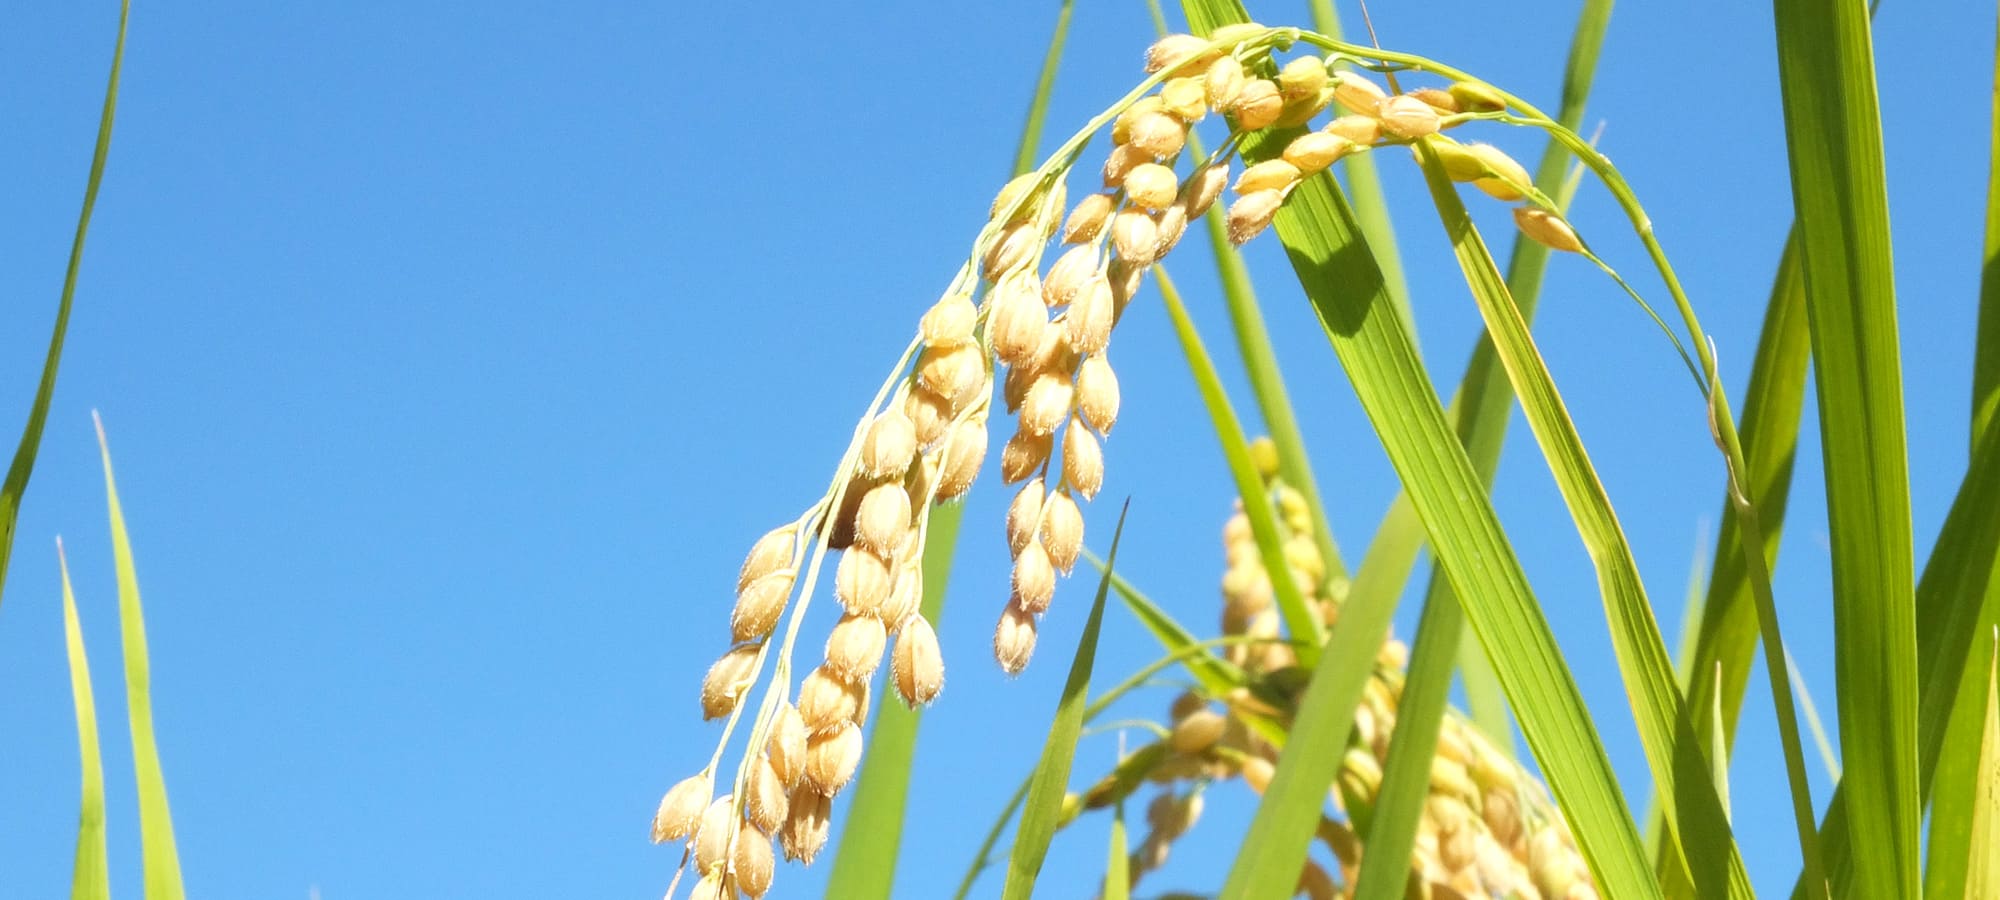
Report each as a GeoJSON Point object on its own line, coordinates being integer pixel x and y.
{"type": "Point", "coordinates": [1371, 785]}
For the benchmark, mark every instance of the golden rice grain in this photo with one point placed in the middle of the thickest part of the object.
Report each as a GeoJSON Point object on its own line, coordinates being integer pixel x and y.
{"type": "Point", "coordinates": [1201, 189]}
{"type": "Point", "coordinates": [1302, 77]}
{"type": "Point", "coordinates": [1269, 175]}
{"type": "Point", "coordinates": [757, 609]}
{"type": "Point", "coordinates": [1034, 578]}
{"type": "Point", "coordinates": [1014, 640]}
{"type": "Point", "coordinates": [772, 552]}
{"type": "Point", "coordinates": [917, 665]}
{"type": "Point", "coordinates": [765, 801]}
{"type": "Point", "coordinates": [1082, 460]}
{"type": "Point", "coordinates": [862, 581]}
{"type": "Point", "coordinates": [1252, 213]}
{"type": "Point", "coordinates": [786, 745]}
{"type": "Point", "coordinates": [1023, 455]}
{"type": "Point", "coordinates": [680, 810]}
{"type": "Point", "coordinates": [962, 458]}
{"type": "Point", "coordinates": [1022, 515]}
{"type": "Point", "coordinates": [1048, 402]}
{"type": "Point", "coordinates": [807, 826]}
{"type": "Point", "coordinates": [949, 322]}
{"type": "Point", "coordinates": [1097, 392]}
{"type": "Point", "coordinates": [832, 758]}
{"type": "Point", "coordinates": [1361, 129]}
{"type": "Point", "coordinates": [1185, 98]}
{"type": "Point", "coordinates": [1087, 325]}
{"type": "Point", "coordinates": [1547, 229]}
{"type": "Point", "coordinates": [1357, 94]}
{"type": "Point", "coordinates": [1062, 531]}
{"type": "Point", "coordinates": [889, 445]}
{"type": "Point", "coordinates": [1313, 151]}
{"type": "Point", "coordinates": [1158, 135]}
{"type": "Point", "coordinates": [727, 679]}
{"type": "Point", "coordinates": [1405, 116]}
{"type": "Point", "coordinates": [1222, 82]}
{"type": "Point", "coordinates": [711, 839]}
{"type": "Point", "coordinates": [1257, 105]}
{"type": "Point", "coordinates": [1087, 220]}
{"type": "Point", "coordinates": [883, 520]}
{"type": "Point", "coordinates": [854, 647]}
{"type": "Point", "coordinates": [752, 863]}
{"type": "Point", "coordinates": [826, 703]}
{"type": "Point", "coordinates": [1151, 185]}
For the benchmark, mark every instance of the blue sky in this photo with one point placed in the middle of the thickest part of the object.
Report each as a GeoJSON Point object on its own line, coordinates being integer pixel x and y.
{"type": "Point", "coordinates": [453, 356]}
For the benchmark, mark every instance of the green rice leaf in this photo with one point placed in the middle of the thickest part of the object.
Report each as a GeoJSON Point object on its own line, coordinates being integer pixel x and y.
{"type": "Point", "coordinates": [1311, 752]}
{"type": "Point", "coordinates": [1691, 807]}
{"type": "Point", "coordinates": [1684, 673]}
{"type": "Point", "coordinates": [162, 864]}
{"type": "Point", "coordinates": [1833, 131]}
{"type": "Point", "coordinates": [1300, 618]}
{"type": "Point", "coordinates": [91, 879]}
{"type": "Point", "coordinates": [1827, 756]}
{"type": "Point", "coordinates": [23, 466]}
{"type": "Point", "coordinates": [1982, 863]}
{"type": "Point", "coordinates": [1957, 599]}
{"type": "Point", "coordinates": [1117, 865]}
{"type": "Point", "coordinates": [1406, 773]}
{"type": "Point", "coordinates": [1045, 792]}
{"type": "Point", "coordinates": [1952, 706]}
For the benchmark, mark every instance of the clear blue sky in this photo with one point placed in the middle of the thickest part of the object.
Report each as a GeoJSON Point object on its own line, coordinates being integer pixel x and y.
{"type": "Point", "coordinates": [453, 355]}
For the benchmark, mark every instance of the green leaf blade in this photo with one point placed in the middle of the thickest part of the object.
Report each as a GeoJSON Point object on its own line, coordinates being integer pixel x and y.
{"type": "Point", "coordinates": [1834, 136]}
{"type": "Point", "coordinates": [91, 877]}
{"type": "Point", "coordinates": [1043, 806]}
{"type": "Point", "coordinates": [161, 859]}
{"type": "Point", "coordinates": [23, 466]}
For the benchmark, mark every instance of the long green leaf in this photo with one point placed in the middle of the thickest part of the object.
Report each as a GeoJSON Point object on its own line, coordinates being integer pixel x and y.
{"type": "Point", "coordinates": [91, 879]}
{"type": "Point", "coordinates": [1301, 619]}
{"type": "Point", "coordinates": [1982, 851]}
{"type": "Point", "coordinates": [864, 868]}
{"type": "Point", "coordinates": [1833, 131]}
{"type": "Point", "coordinates": [23, 466]}
{"type": "Point", "coordinates": [1118, 863]}
{"type": "Point", "coordinates": [162, 863]}
{"type": "Point", "coordinates": [1484, 398]}
{"type": "Point", "coordinates": [1311, 753]}
{"type": "Point", "coordinates": [1406, 773]}
{"type": "Point", "coordinates": [1952, 669]}
{"type": "Point", "coordinates": [1045, 793]}
{"type": "Point", "coordinates": [1677, 762]}
{"type": "Point", "coordinates": [1957, 599]}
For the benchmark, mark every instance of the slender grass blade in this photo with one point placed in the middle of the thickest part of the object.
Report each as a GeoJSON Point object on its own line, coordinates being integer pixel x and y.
{"type": "Point", "coordinates": [1833, 131]}
{"type": "Point", "coordinates": [23, 466]}
{"type": "Point", "coordinates": [1406, 773]}
{"type": "Point", "coordinates": [91, 878]}
{"type": "Point", "coordinates": [1117, 867]}
{"type": "Point", "coordinates": [1045, 793]}
{"type": "Point", "coordinates": [1300, 618]}
{"type": "Point", "coordinates": [1677, 763]}
{"type": "Point", "coordinates": [162, 864]}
